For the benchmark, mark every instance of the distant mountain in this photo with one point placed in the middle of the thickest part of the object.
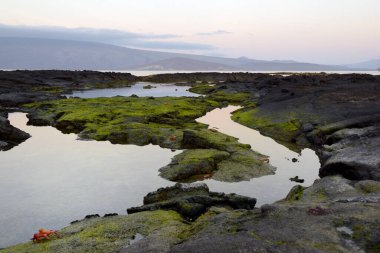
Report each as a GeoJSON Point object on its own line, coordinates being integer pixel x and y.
{"type": "Point", "coordinates": [26, 53]}
{"type": "Point", "coordinates": [371, 64]}
{"type": "Point", "coordinates": [182, 63]}
{"type": "Point", "coordinates": [290, 66]}
{"type": "Point", "coordinates": [36, 53]}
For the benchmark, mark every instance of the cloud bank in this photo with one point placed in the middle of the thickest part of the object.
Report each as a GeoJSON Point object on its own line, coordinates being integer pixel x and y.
{"type": "Point", "coordinates": [109, 36]}
{"type": "Point", "coordinates": [218, 32]}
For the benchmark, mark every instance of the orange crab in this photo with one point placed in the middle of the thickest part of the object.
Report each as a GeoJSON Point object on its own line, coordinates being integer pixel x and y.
{"type": "Point", "coordinates": [44, 234]}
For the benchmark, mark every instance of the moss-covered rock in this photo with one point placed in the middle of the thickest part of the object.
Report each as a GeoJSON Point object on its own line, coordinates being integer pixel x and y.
{"type": "Point", "coordinates": [168, 122]}
{"type": "Point", "coordinates": [191, 200]}
{"type": "Point", "coordinates": [237, 98]}
{"type": "Point", "coordinates": [283, 129]}
{"type": "Point", "coordinates": [206, 139]}
{"type": "Point", "coordinates": [124, 120]}
{"type": "Point", "coordinates": [9, 135]}
{"type": "Point", "coordinates": [295, 193]}
{"type": "Point", "coordinates": [216, 155]}
{"type": "Point", "coordinates": [202, 88]}
{"type": "Point", "coordinates": [108, 234]}
{"type": "Point", "coordinates": [193, 162]}
{"type": "Point", "coordinates": [368, 186]}
{"type": "Point", "coordinates": [242, 165]}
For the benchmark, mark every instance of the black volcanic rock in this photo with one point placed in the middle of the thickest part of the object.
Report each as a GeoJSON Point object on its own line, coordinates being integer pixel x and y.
{"type": "Point", "coordinates": [191, 200]}
{"type": "Point", "coordinates": [9, 135]}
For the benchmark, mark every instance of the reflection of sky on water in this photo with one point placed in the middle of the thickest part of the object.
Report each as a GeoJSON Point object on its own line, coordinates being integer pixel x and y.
{"type": "Point", "coordinates": [160, 90]}
{"type": "Point", "coordinates": [52, 178]}
{"type": "Point", "coordinates": [271, 188]}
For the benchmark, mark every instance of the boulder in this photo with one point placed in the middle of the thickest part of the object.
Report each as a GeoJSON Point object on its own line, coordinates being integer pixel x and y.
{"type": "Point", "coordinates": [9, 135]}
{"type": "Point", "coordinates": [192, 163]}
{"type": "Point", "coordinates": [191, 200]}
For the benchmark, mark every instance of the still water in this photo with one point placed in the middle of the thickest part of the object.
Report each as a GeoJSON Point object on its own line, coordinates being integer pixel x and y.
{"type": "Point", "coordinates": [53, 178]}
{"type": "Point", "coordinates": [158, 90]}
{"type": "Point", "coordinates": [155, 72]}
{"type": "Point", "coordinates": [267, 189]}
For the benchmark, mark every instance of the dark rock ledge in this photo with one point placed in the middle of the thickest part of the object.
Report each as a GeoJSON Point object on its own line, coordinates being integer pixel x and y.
{"type": "Point", "coordinates": [191, 200]}
{"type": "Point", "coordinates": [9, 135]}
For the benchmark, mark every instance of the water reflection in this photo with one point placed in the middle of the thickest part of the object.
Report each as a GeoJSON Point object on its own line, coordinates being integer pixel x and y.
{"type": "Point", "coordinates": [52, 179]}
{"type": "Point", "coordinates": [159, 90]}
{"type": "Point", "coordinates": [267, 189]}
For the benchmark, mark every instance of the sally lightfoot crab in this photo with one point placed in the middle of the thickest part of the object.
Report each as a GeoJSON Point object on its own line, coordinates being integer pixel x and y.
{"type": "Point", "coordinates": [44, 234]}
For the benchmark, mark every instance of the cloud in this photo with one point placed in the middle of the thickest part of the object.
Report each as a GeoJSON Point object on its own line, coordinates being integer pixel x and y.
{"type": "Point", "coordinates": [218, 32]}
{"type": "Point", "coordinates": [172, 45]}
{"type": "Point", "coordinates": [109, 36]}
{"type": "Point", "coordinates": [88, 34]}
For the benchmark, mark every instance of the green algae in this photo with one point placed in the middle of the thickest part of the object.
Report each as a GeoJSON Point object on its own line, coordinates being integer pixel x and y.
{"type": "Point", "coordinates": [112, 234]}
{"type": "Point", "coordinates": [368, 186]}
{"type": "Point", "coordinates": [49, 89]}
{"type": "Point", "coordinates": [107, 234]}
{"type": "Point", "coordinates": [125, 120]}
{"type": "Point", "coordinates": [238, 98]}
{"type": "Point", "coordinates": [193, 162]}
{"type": "Point", "coordinates": [168, 122]}
{"type": "Point", "coordinates": [205, 138]}
{"type": "Point", "coordinates": [198, 164]}
{"type": "Point", "coordinates": [283, 129]}
{"type": "Point", "coordinates": [295, 193]}
{"type": "Point", "coordinates": [211, 91]}
{"type": "Point", "coordinates": [242, 165]}
{"type": "Point", "coordinates": [202, 88]}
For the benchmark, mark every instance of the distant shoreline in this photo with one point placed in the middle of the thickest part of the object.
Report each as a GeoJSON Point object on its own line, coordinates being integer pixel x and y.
{"type": "Point", "coordinates": [155, 72]}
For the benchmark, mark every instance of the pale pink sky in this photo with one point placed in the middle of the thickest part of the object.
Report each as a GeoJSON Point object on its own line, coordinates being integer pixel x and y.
{"type": "Point", "coordinates": [324, 31]}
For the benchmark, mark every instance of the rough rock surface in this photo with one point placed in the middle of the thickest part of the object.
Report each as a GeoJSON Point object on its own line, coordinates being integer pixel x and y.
{"type": "Point", "coordinates": [198, 164]}
{"type": "Point", "coordinates": [337, 115]}
{"type": "Point", "coordinates": [333, 215]}
{"type": "Point", "coordinates": [20, 87]}
{"type": "Point", "coordinates": [191, 200]}
{"type": "Point", "coordinates": [168, 122]}
{"type": "Point", "coordinates": [353, 153]}
{"type": "Point", "coordinates": [9, 135]}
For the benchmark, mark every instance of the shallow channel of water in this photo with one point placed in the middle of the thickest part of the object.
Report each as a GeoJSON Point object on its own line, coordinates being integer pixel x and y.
{"type": "Point", "coordinates": [267, 189]}
{"type": "Point", "coordinates": [159, 90]}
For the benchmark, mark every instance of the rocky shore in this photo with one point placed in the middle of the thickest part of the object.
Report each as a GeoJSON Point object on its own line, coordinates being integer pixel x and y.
{"type": "Point", "coordinates": [336, 115]}
{"type": "Point", "coordinates": [9, 135]}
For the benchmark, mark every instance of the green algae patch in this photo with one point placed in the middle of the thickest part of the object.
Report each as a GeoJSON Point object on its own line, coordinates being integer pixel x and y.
{"type": "Point", "coordinates": [205, 138]}
{"type": "Point", "coordinates": [108, 234]}
{"type": "Point", "coordinates": [112, 234]}
{"type": "Point", "coordinates": [295, 194]}
{"type": "Point", "coordinates": [368, 186]}
{"type": "Point", "coordinates": [49, 89]}
{"type": "Point", "coordinates": [215, 155]}
{"type": "Point", "coordinates": [212, 92]}
{"type": "Point", "coordinates": [193, 162]}
{"type": "Point", "coordinates": [242, 165]}
{"type": "Point", "coordinates": [232, 98]}
{"type": "Point", "coordinates": [168, 122]}
{"type": "Point", "coordinates": [283, 129]}
{"type": "Point", "coordinates": [124, 120]}
{"type": "Point", "coordinates": [202, 88]}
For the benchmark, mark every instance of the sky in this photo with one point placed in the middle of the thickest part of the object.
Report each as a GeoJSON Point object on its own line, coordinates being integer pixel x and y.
{"type": "Point", "coordinates": [320, 31]}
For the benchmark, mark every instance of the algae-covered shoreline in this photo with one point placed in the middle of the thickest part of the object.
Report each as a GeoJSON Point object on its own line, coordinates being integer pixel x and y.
{"type": "Point", "coordinates": [331, 113]}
